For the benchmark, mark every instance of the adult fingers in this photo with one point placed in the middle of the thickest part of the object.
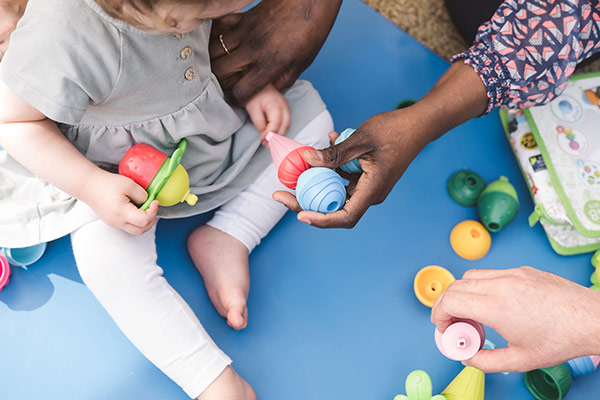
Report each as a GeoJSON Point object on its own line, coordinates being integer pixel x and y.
{"type": "Point", "coordinates": [473, 274]}
{"type": "Point", "coordinates": [336, 155]}
{"type": "Point", "coordinates": [457, 304]}
{"type": "Point", "coordinates": [505, 359]}
{"type": "Point", "coordinates": [350, 214]}
{"type": "Point", "coordinates": [222, 26]}
{"type": "Point", "coordinates": [287, 199]}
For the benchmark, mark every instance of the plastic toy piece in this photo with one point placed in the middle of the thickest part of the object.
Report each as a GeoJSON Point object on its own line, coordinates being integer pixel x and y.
{"type": "Point", "coordinates": [4, 271]}
{"type": "Point", "coordinates": [549, 383]}
{"type": "Point", "coordinates": [469, 384]}
{"type": "Point", "coordinates": [163, 177]}
{"type": "Point", "coordinates": [405, 103]}
{"type": "Point", "coordinates": [23, 256]}
{"type": "Point", "coordinates": [583, 365]}
{"type": "Point", "coordinates": [430, 282]}
{"type": "Point", "coordinates": [320, 189]}
{"type": "Point", "coordinates": [418, 387]}
{"type": "Point", "coordinates": [596, 259]}
{"type": "Point", "coordinates": [352, 167]}
{"type": "Point", "coordinates": [287, 157]}
{"type": "Point", "coordinates": [470, 240]}
{"type": "Point", "coordinates": [465, 187]}
{"type": "Point", "coordinates": [461, 340]}
{"type": "Point", "coordinates": [498, 204]}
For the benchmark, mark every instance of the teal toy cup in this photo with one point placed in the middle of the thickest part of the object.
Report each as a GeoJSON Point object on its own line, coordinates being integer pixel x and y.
{"type": "Point", "coordinates": [24, 256]}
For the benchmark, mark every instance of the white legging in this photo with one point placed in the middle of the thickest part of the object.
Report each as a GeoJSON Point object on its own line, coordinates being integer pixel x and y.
{"type": "Point", "coordinates": [121, 271]}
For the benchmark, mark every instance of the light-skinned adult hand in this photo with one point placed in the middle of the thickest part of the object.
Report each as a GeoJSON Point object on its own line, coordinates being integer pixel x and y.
{"type": "Point", "coordinates": [545, 318]}
{"type": "Point", "coordinates": [388, 142]}
{"type": "Point", "coordinates": [273, 42]}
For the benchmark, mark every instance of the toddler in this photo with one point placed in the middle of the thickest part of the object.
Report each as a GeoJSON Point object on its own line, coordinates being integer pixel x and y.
{"type": "Point", "coordinates": [10, 12]}
{"type": "Point", "coordinates": [82, 82]}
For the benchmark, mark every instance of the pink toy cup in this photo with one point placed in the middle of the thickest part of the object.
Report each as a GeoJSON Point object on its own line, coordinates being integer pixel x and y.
{"type": "Point", "coordinates": [461, 340]}
{"type": "Point", "coordinates": [4, 271]}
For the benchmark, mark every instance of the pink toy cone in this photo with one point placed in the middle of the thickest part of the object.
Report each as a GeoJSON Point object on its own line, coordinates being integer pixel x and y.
{"type": "Point", "coordinates": [468, 385]}
{"type": "Point", "coordinates": [280, 147]}
{"type": "Point", "coordinates": [287, 157]}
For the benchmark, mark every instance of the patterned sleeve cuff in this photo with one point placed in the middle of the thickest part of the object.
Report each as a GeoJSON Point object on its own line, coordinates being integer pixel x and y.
{"type": "Point", "coordinates": [490, 68]}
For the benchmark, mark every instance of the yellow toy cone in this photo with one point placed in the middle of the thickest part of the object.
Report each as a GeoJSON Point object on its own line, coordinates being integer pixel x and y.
{"type": "Point", "coordinates": [468, 385]}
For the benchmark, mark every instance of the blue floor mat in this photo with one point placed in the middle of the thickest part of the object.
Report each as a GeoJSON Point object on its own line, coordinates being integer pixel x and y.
{"type": "Point", "coordinates": [332, 312]}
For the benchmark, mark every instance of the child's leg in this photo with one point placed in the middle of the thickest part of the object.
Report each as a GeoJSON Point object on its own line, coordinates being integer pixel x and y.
{"type": "Point", "coordinates": [121, 271]}
{"type": "Point", "coordinates": [220, 249]}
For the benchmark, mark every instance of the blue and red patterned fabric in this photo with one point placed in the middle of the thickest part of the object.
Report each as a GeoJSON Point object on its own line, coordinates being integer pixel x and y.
{"type": "Point", "coordinates": [527, 52]}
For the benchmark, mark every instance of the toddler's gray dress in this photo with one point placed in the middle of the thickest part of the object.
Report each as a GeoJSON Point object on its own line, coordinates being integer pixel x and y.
{"type": "Point", "coordinates": [109, 86]}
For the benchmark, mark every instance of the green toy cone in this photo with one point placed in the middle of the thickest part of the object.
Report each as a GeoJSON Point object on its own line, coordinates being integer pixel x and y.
{"type": "Point", "coordinates": [549, 383]}
{"type": "Point", "coordinates": [498, 204]}
{"type": "Point", "coordinates": [468, 385]}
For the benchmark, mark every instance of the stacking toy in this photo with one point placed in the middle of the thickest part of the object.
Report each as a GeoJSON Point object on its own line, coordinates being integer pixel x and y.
{"type": "Point", "coordinates": [583, 365]}
{"type": "Point", "coordinates": [287, 157]}
{"type": "Point", "coordinates": [405, 103]}
{"type": "Point", "coordinates": [470, 240]}
{"type": "Point", "coordinates": [430, 282]}
{"type": "Point", "coordinates": [461, 340]}
{"type": "Point", "coordinates": [594, 280]}
{"type": "Point", "coordinates": [465, 187]}
{"type": "Point", "coordinates": [498, 204]}
{"type": "Point", "coordinates": [4, 271]}
{"type": "Point", "coordinates": [551, 383]}
{"type": "Point", "coordinates": [418, 387]}
{"type": "Point", "coordinates": [469, 384]}
{"type": "Point", "coordinates": [163, 177]}
{"type": "Point", "coordinates": [352, 167]}
{"type": "Point", "coordinates": [595, 277]}
{"type": "Point", "coordinates": [596, 259]}
{"type": "Point", "coordinates": [320, 189]}
{"type": "Point", "coordinates": [24, 256]}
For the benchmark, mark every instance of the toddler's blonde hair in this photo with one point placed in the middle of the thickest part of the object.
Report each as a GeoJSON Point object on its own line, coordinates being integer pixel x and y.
{"type": "Point", "coordinates": [122, 9]}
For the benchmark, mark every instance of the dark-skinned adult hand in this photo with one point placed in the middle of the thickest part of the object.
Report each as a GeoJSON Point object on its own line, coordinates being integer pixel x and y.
{"type": "Point", "coordinates": [545, 318]}
{"type": "Point", "coordinates": [273, 42]}
{"type": "Point", "coordinates": [388, 142]}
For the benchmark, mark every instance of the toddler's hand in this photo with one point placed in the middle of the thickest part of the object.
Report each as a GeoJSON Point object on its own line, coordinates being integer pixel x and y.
{"type": "Point", "coordinates": [269, 112]}
{"type": "Point", "coordinates": [114, 197]}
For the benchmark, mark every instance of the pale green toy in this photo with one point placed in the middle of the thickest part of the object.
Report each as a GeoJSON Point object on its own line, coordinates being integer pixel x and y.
{"type": "Point", "coordinates": [418, 387]}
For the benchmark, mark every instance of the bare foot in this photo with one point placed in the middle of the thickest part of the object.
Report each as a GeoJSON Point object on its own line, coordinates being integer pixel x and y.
{"type": "Point", "coordinates": [223, 262]}
{"type": "Point", "coordinates": [228, 386]}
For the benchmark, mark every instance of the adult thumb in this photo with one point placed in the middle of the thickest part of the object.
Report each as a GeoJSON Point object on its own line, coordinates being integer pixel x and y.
{"type": "Point", "coordinates": [335, 155]}
{"type": "Point", "coordinates": [503, 359]}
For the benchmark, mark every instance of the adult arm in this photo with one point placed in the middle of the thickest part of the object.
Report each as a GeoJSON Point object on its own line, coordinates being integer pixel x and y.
{"type": "Point", "coordinates": [273, 42]}
{"type": "Point", "coordinates": [509, 65]}
{"type": "Point", "coordinates": [388, 142]}
{"type": "Point", "coordinates": [545, 319]}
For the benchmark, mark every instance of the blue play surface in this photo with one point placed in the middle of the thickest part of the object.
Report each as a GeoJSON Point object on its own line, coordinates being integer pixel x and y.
{"type": "Point", "coordinates": [332, 312]}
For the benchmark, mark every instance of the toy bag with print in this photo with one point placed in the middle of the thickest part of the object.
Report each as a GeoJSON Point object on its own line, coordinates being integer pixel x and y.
{"type": "Point", "coordinates": [558, 149]}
